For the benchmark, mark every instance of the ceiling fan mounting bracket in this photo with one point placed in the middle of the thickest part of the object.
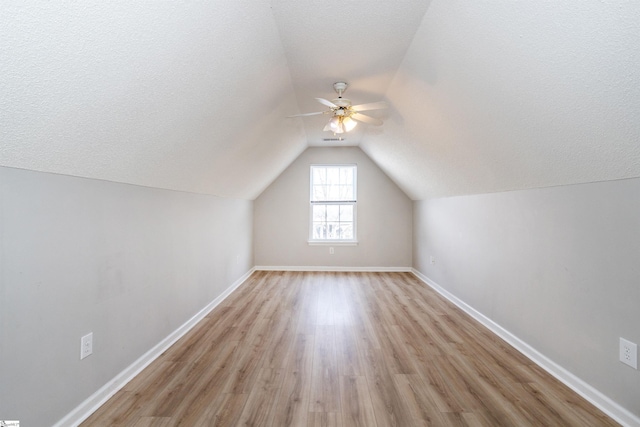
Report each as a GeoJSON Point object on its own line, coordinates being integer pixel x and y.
{"type": "Point", "coordinates": [340, 87]}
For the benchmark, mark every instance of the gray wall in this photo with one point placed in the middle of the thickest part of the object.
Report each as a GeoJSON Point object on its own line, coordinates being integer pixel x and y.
{"type": "Point", "coordinates": [557, 267]}
{"type": "Point", "coordinates": [130, 264]}
{"type": "Point", "coordinates": [384, 217]}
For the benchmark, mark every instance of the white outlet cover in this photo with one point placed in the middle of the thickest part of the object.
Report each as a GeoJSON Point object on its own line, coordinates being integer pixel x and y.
{"type": "Point", "coordinates": [629, 353]}
{"type": "Point", "coordinates": [86, 345]}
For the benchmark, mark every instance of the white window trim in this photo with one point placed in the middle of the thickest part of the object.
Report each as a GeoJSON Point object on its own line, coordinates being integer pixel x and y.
{"type": "Point", "coordinates": [334, 242]}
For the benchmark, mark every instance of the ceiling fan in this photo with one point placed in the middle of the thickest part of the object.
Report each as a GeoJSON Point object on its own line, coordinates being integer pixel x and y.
{"type": "Point", "coordinates": [344, 116]}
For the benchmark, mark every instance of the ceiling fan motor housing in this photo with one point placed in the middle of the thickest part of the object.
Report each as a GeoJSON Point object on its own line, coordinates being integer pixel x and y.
{"type": "Point", "coordinates": [342, 102]}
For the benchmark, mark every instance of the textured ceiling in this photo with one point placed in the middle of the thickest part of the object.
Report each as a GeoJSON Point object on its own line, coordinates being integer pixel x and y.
{"type": "Point", "coordinates": [193, 96]}
{"type": "Point", "coordinates": [188, 96]}
{"type": "Point", "coordinates": [361, 42]}
{"type": "Point", "coordinates": [503, 95]}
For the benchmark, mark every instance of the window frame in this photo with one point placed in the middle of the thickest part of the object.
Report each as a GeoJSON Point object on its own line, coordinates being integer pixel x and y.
{"type": "Point", "coordinates": [335, 242]}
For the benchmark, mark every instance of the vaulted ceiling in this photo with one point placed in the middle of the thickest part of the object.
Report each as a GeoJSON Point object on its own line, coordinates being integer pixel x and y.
{"type": "Point", "coordinates": [193, 96]}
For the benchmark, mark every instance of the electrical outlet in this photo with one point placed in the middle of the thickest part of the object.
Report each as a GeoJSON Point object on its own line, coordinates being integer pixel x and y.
{"type": "Point", "coordinates": [629, 353]}
{"type": "Point", "coordinates": [86, 345]}
{"type": "Point", "coordinates": [432, 259]}
{"type": "Point", "coordinates": [331, 250]}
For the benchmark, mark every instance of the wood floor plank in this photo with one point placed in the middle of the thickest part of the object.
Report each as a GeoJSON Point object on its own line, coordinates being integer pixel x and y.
{"type": "Point", "coordinates": [156, 376]}
{"type": "Point", "coordinates": [397, 356]}
{"type": "Point", "coordinates": [388, 404]}
{"type": "Point", "coordinates": [324, 294]}
{"type": "Point", "coordinates": [418, 399]}
{"type": "Point", "coordinates": [571, 406]}
{"type": "Point", "coordinates": [305, 311]}
{"type": "Point", "coordinates": [447, 394]}
{"type": "Point", "coordinates": [189, 346]}
{"type": "Point", "coordinates": [357, 408]}
{"type": "Point", "coordinates": [208, 372]}
{"type": "Point", "coordinates": [501, 406]}
{"type": "Point", "coordinates": [224, 412]}
{"type": "Point", "coordinates": [120, 409]}
{"type": "Point", "coordinates": [324, 419]}
{"type": "Point", "coordinates": [465, 419]}
{"type": "Point", "coordinates": [153, 422]}
{"type": "Point", "coordinates": [325, 386]}
{"type": "Point", "coordinates": [261, 403]}
{"type": "Point", "coordinates": [342, 349]}
{"type": "Point", "coordinates": [362, 315]}
{"type": "Point", "coordinates": [245, 368]}
{"type": "Point", "coordinates": [205, 390]}
{"type": "Point", "coordinates": [350, 358]}
{"type": "Point", "coordinates": [293, 399]}
{"type": "Point", "coordinates": [279, 342]}
{"type": "Point", "coordinates": [300, 358]}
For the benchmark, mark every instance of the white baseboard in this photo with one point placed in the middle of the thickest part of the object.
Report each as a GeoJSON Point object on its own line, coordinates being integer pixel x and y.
{"type": "Point", "coordinates": [604, 403]}
{"type": "Point", "coordinates": [97, 399]}
{"type": "Point", "coordinates": [333, 268]}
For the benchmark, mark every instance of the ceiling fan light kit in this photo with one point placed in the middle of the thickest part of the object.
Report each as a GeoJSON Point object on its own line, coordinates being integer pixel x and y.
{"type": "Point", "coordinates": [348, 123]}
{"type": "Point", "coordinates": [343, 114]}
{"type": "Point", "coordinates": [340, 124]}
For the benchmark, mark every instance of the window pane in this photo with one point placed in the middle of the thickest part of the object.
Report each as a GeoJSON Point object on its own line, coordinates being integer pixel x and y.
{"type": "Point", "coordinates": [346, 176]}
{"type": "Point", "coordinates": [333, 212]}
{"type": "Point", "coordinates": [333, 193]}
{"type": "Point", "coordinates": [346, 193]}
{"type": "Point", "coordinates": [332, 230]}
{"type": "Point", "coordinates": [347, 231]}
{"type": "Point", "coordinates": [346, 213]}
{"type": "Point", "coordinates": [318, 193]}
{"type": "Point", "coordinates": [319, 175]}
{"type": "Point", "coordinates": [319, 213]}
{"type": "Point", "coordinates": [319, 231]}
{"type": "Point", "coordinates": [333, 176]}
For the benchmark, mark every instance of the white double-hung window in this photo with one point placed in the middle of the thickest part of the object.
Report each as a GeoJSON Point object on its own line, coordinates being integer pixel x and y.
{"type": "Point", "coordinates": [333, 198]}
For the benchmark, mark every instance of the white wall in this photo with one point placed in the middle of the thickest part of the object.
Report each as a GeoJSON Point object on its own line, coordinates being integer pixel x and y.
{"type": "Point", "coordinates": [130, 264]}
{"type": "Point", "coordinates": [557, 267]}
{"type": "Point", "coordinates": [384, 217]}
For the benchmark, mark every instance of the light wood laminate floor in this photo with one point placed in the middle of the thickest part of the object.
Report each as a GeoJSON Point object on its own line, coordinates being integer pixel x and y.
{"type": "Point", "coordinates": [342, 349]}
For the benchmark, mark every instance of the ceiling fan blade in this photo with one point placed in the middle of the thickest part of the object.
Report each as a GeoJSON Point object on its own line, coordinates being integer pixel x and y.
{"type": "Point", "coordinates": [366, 119]}
{"type": "Point", "coordinates": [327, 103]}
{"type": "Point", "coordinates": [371, 106]}
{"type": "Point", "coordinates": [307, 114]}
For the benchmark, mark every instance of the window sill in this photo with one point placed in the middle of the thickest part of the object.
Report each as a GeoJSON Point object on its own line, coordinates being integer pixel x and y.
{"type": "Point", "coordinates": [332, 242]}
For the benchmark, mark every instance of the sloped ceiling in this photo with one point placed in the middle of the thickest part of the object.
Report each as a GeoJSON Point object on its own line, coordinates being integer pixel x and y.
{"type": "Point", "coordinates": [193, 96]}
{"type": "Point", "coordinates": [361, 42]}
{"type": "Point", "coordinates": [188, 96]}
{"type": "Point", "coordinates": [503, 95]}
